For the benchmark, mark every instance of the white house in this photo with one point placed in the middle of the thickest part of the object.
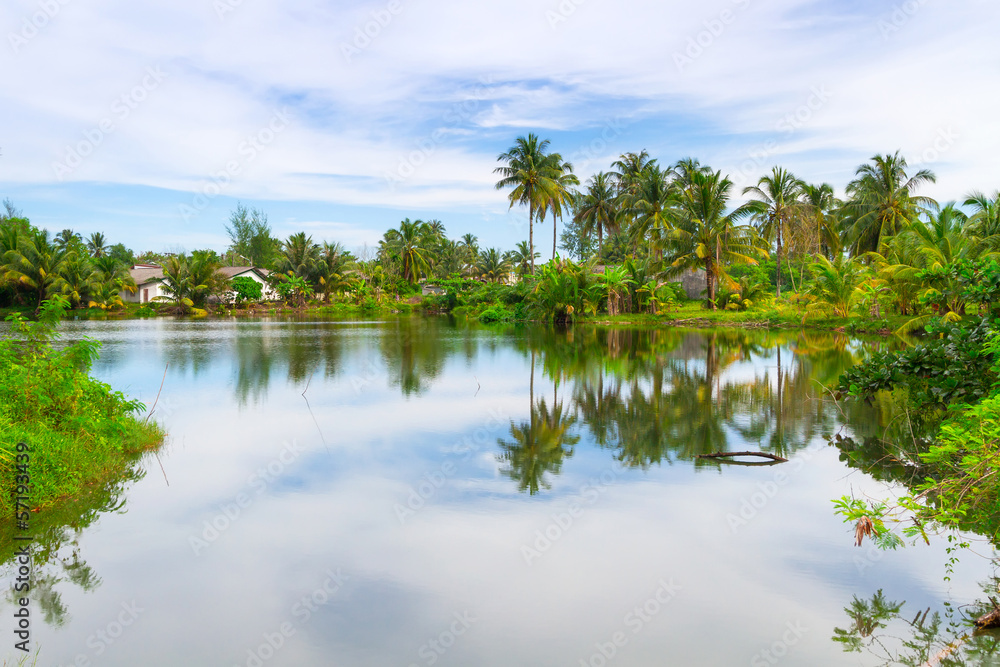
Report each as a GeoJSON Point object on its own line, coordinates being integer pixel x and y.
{"type": "Point", "coordinates": [149, 282]}
{"type": "Point", "coordinates": [148, 279]}
{"type": "Point", "coordinates": [254, 273]}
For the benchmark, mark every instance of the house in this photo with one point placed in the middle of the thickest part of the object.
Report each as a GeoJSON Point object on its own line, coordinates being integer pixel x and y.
{"type": "Point", "coordinates": [149, 282]}
{"type": "Point", "coordinates": [148, 279]}
{"type": "Point", "coordinates": [254, 273]}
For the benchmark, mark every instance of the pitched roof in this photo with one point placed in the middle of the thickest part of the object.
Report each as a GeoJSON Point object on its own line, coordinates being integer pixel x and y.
{"type": "Point", "coordinates": [143, 274]}
{"type": "Point", "coordinates": [233, 271]}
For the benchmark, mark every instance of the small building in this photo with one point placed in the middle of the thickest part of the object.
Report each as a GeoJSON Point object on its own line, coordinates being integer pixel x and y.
{"type": "Point", "coordinates": [254, 273]}
{"type": "Point", "coordinates": [149, 282]}
{"type": "Point", "coordinates": [693, 282]}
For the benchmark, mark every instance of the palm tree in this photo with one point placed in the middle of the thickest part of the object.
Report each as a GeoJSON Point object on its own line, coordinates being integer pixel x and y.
{"type": "Point", "coordinates": [984, 223]}
{"type": "Point", "coordinates": [532, 178]}
{"type": "Point", "coordinates": [938, 242]}
{"type": "Point", "coordinates": [188, 280]}
{"type": "Point", "coordinates": [521, 258]}
{"type": "Point", "coordinates": [563, 197]}
{"type": "Point", "coordinates": [36, 264]}
{"type": "Point", "coordinates": [96, 244]}
{"type": "Point", "coordinates": [881, 202]}
{"type": "Point", "coordinates": [774, 206]}
{"type": "Point", "coordinates": [299, 257]}
{"type": "Point", "coordinates": [64, 238]}
{"type": "Point", "coordinates": [80, 279]}
{"type": "Point", "coordinates": [819, 203]}
{"type": "Point", "coordinates": [596, 209]}
{"type": "Point", "coordinates": [493, 266]}
{"type": "Point", "coordinates": [707, 237]}
{"type": "Point", "coordinates": [409, 245]}
{"type": "Point", "coordinates": [332, 268]}
{"type": "Point", "coordinates": [837, 283]}
{"type": "Point", "coordinates": [651, 206]}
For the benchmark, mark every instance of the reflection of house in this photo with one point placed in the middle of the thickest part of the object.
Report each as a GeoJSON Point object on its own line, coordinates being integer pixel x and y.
{"type": "Point", "coordinates": [149, 281]}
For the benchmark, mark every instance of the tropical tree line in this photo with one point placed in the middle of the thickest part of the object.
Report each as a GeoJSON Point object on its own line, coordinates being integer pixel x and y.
{"type": "Point", "coordinates": [34, 265]}
{"type": "Point", "coordinates": [883, 243]}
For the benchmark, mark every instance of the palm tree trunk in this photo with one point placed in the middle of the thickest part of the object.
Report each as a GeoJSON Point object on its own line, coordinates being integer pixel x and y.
{"type": "Point", "coordinates": [778, 279]}
{"type": "Point", "coordinates": [709, 285]}
{"type": "Point", "coordinates": [531, 242]}
{"type": "Point", "coordinates": [554, 226]}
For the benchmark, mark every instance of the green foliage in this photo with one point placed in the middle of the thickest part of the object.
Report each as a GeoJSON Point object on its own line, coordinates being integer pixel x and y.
{"type": "Point", "coordinates": [78, 429]}
{"type": "Point", "coordinates": [953, 366]}
{"type": "Point", "coordinates": [246, 289]}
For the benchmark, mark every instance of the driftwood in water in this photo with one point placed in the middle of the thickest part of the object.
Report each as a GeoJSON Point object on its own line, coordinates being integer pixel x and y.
{"type": "Point", "coordinates": [726, 455]}
{"type": "Point", "coordinates": [990, 620]}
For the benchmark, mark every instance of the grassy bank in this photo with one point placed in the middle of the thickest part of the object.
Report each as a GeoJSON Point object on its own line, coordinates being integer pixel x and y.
{"type": "Point", "coordinates": [79, 432]}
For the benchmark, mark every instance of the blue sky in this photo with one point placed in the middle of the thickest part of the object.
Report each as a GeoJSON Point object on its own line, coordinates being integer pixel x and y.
{"type": "Point", "coordinates": [149, 121]}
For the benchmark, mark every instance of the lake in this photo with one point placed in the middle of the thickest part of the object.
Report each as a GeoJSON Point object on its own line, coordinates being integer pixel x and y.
{"type": "Point", "coordinates": [427, 492]}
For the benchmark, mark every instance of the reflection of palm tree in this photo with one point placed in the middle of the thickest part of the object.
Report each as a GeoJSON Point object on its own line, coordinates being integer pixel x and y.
{"type": "Point", "coordinates": [538, 446]}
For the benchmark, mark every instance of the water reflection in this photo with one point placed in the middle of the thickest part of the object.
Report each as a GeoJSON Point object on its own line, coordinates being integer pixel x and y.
{"type": "Point", "coordinates": [882, 629]}
{"type": "Point", "coordinates": [381, 412]}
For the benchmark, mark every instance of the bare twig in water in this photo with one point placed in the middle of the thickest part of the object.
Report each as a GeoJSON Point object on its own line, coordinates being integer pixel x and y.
{"type": "Point", "coordinates": [153, 409]}
{"type": "Point", "coordinates": [725, 455]}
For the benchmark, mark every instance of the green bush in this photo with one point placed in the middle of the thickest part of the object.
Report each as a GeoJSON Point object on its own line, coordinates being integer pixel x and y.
{"type": "Point", "coordinates": [79, 431]}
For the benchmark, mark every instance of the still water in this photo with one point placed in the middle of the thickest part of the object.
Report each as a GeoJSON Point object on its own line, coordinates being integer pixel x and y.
{"type": "Point", "coordinates": [420, 492]}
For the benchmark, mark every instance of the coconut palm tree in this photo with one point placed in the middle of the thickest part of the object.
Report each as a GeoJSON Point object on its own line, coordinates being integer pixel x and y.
{"type": "Point", "coordinates": [332, 268]}
{"type": "Point", "coordinates": [80, 278]}
{"type": "Point", "coordinates": [837, 283]}
{"type": "Point", "coordinates": [299, 257]}
{"type": "Point", "coordinates": [773, 208]}
{"type": "Point", "coordinates": [97, 245]}
{"type": "Point", "coordinates": [818, 205]}
{"type": "Point", "coordinates": [651, 206]}
{"type": "Point", "coordinates": [409, 243]}
{"type": "Point", "coordinates": [597, 208]}
{"type": "Point", "coordinates": [562, 197]}
{"type": "Point", "coordinates": [984, 223]}
{"type": "Point", "coordinates": [64, 238]}
{"type": "Point", "coordinates": [531, 177]}
{"type": "Point", "coordinates": [493, 266]}
{"type": "Point", "coordinates": [36, 265]}
{"type": "Point", "coordinates": [705, 236]}
{"type": "Point", "coordinates": [881, 201]}
{"type": "Point", "coordinates": [521, 258]}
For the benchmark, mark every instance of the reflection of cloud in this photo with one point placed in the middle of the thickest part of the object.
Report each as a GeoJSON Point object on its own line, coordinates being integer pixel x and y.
{"type": "Point", "coordinates": [461, 551]}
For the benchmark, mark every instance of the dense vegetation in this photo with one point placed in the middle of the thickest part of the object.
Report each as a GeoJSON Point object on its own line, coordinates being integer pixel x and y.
{"type": "Point", "coordinates": [80, 433]}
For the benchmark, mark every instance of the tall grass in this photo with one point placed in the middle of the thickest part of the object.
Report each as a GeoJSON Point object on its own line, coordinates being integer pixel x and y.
{"type": "Point", "coordinates": [80, 432]}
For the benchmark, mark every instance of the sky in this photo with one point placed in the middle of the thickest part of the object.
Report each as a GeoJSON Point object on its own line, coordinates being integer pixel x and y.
{"type": "Point", "coordinates": [149, 121]}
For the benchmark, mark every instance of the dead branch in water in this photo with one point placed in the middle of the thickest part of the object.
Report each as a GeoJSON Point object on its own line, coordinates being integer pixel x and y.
{"type": "Point", "coordinates": [725, 455]}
